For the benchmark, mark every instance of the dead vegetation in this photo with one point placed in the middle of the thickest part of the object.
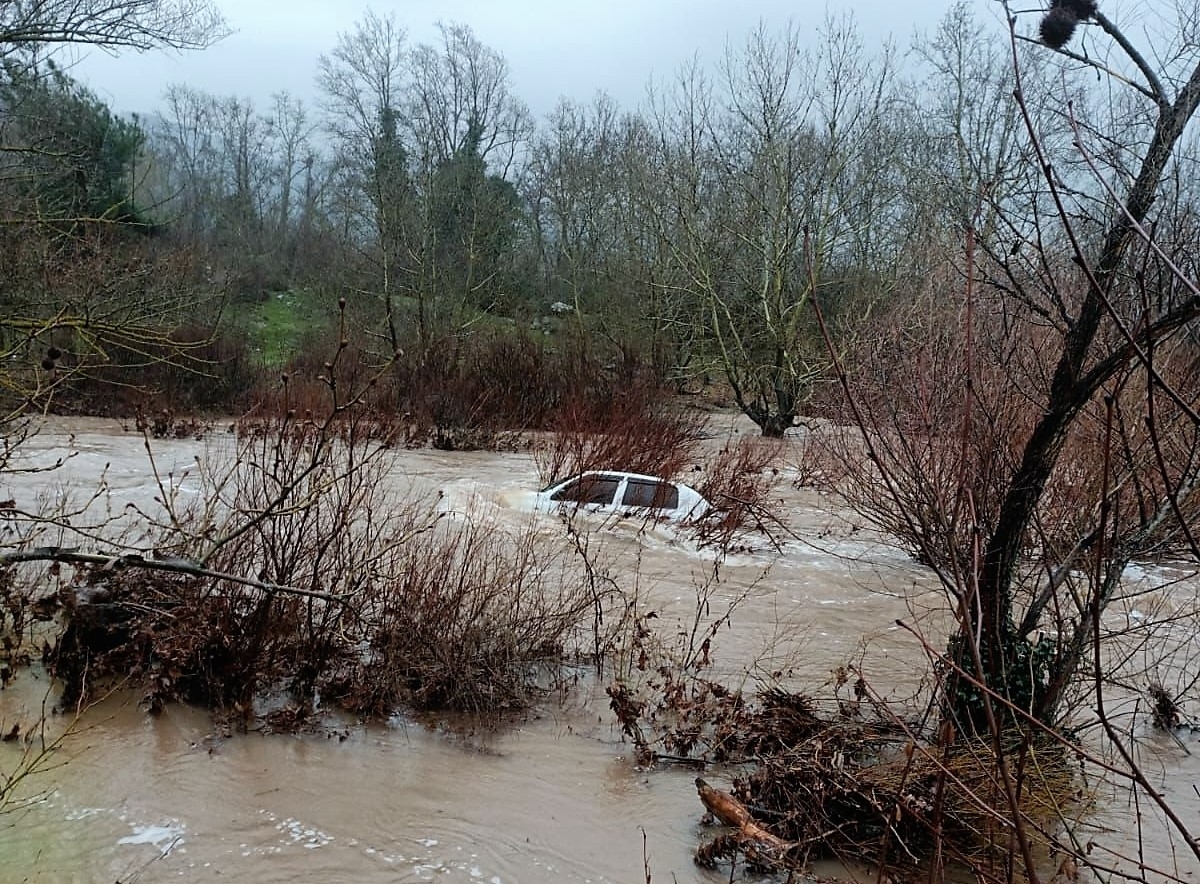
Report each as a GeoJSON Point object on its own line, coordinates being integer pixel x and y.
{"type": "Point", "coordinates": [456, 615]}
{"type": "Point", "coordinates": [762, 849]}
{"type": "Point", "coordinates": [848, 779]}
{"type": "Point", "coordinates": [739, 482]}
{"type": "Point", "coordinates": [1165, 710]}
{"type": "Point", "coordinates": [397, 606]}
{"type": "Point", "coordinates": [868, 791]}
{"type": "Point", "coordinates": [635, 428]}
{"type": "Point", "coordinates": [483, 391]}
{"type": "Point", "coordinates": [841, 774]}
{"type": "Point", "coordinates": [288, 572]}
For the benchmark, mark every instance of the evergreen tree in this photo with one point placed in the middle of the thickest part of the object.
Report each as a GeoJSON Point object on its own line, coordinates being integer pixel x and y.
{"type": "Point", "coordinates": [69, 159]}
{"type": "Point", "coordinates": [476, 219]}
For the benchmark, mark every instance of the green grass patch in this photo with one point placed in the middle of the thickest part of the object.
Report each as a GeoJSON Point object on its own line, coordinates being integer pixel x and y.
{"type": "Point", "coordinates": [279, 326]}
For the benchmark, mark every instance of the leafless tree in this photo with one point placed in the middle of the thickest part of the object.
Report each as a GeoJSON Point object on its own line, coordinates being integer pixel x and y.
{"type": "Point", "coordinates": [363, 80]}
{"type": "Point", "coordinates": [1036, 436]}
{"type": "Point", "coordinates": [110, 24]}
{"type": "Point", "coordinates": [460, 85]}
{"type": "Point", "coordinates": [770, 172]}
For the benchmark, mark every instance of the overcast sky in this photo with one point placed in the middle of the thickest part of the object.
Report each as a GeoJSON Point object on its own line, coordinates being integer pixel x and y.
{"type": "Point", "coordinates": [554, 47]}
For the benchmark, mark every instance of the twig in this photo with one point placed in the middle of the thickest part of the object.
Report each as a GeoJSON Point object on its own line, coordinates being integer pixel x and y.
{"type": "Point", "coordinates": [1147, 91]}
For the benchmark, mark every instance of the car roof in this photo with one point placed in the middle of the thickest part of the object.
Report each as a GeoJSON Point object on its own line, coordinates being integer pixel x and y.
{"type": "Point", "coordinates": [622, 473]}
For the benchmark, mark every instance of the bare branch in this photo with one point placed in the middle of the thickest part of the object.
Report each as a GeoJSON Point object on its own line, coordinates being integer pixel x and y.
{"type": "Point", "coordinates": [122, 561]}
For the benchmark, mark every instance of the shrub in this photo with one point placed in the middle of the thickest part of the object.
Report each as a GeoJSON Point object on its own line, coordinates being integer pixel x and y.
{"type": "Point", "coordinates": [739, 482]}
{"type": "Point", "coordinates": [187, 369]}
{"type": "Point", "coordinates": [297, 574]}
{"type": "Point", "coordinates": [627, 426]}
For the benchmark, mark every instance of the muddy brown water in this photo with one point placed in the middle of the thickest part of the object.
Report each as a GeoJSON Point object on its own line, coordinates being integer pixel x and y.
{"type": "Point", "coordinates": [551, 797]}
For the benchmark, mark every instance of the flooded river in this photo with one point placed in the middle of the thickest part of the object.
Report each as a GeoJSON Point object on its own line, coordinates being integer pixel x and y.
{"type": "Point", "coordinates": [553, 796]}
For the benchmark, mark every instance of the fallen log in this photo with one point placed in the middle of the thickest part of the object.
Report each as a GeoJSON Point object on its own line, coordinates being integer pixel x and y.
{"type": "Point", "coordinates": [762, 849]}
{"type": "Point", "coordinates": [723, 805]}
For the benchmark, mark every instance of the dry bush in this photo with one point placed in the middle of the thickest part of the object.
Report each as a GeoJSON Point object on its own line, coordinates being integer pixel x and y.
{"type": "Point", "coordinates": [945, 427]}
{"type": "Point", "coordinates": [948, 398]}
{"type": "Point", "coordinates": [174, 637]}
{"type": "Point", "coordinates": [478, 390]}
{"type": "Point", "coordinates": [186, 369]}
{"type": "Point", "coordinates": [947, 408]}
{"type": "Point", "coordinates": [472, 617]}
{"type": "Point", "coordinates": [464, 392]}
{"type": "Point", "coordinates": [863, 791]}
{"type": "Point", "coordinates": [87, 332]}
{"type": "Point", "coordinates": [633, 428]}
{"type": "Point", "coordinates": [948, 395]}
{"type": "Point", "coordinates": [334, 380]}
{"type": "Point", "coordinates": [667, 698]}
{"type": "Point", "coordinates": [301, 573]}
{"type": "Point", "coordinates": [291, 505]}
{"type": "Point", "coordinates": [456, 616]}
{"type": "Point", "coordinates": [467, 392]}
{"type": "Point", "coordinates": [817, 458]}
{"type": "Point", "coordinates": [843, 776]}
{"type": "Point", "coordinates": [738, 482]}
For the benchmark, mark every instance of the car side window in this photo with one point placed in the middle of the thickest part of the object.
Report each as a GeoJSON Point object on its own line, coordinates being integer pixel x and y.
{"type": "Point", "coordinates": [588, 489]}
{"type": "Point", "coordinates": [659, 495]}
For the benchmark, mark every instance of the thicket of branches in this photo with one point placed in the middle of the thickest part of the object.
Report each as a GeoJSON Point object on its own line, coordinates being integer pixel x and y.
{"type": "Point", "coordinates": [692, 234]}
{"type": "Point", "coordinates": [981, 259]}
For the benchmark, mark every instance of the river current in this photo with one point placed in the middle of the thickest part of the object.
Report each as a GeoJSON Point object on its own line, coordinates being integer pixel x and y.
{"type": "Point", "coordinates": [551, 796]}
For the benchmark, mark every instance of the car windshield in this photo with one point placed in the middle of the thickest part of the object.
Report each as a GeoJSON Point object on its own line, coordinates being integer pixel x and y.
{"type": "Point", "coordinates": [589, 489]}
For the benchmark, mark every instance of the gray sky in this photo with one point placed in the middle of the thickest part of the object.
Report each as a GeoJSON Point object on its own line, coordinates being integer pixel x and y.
{"type": "Point", "coordinates": [553, 47]}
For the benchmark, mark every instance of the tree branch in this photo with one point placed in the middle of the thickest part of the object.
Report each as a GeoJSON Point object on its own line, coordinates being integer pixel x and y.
{"type": "Point", "coordinates": [1153, 91]}
{"type": "Point", "coordinates": [69, 556]}
{"type": "Point", "coordinates": [1159, 94]}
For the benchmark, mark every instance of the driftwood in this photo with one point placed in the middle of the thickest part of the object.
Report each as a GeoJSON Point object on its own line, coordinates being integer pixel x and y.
{"type": "Point", "coordinates": [762, 849]}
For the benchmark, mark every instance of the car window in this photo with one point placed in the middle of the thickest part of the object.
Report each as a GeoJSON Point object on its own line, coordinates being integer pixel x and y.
{"type": "Point", "coordinates": [642, 492]}
{"type": "Point", "coordinates": [588, 489]}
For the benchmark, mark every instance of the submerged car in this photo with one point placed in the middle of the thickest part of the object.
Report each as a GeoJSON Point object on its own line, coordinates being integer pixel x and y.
{"type": "Point", "coordinates": [610, 491]}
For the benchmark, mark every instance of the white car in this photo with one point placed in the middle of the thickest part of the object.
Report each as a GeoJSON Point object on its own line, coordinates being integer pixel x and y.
{"type": "Point", "coordinates": [609, 491]}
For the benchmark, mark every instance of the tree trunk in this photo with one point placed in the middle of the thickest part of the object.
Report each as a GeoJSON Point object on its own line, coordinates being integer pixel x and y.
{"type": "Point", "coordinates": [1072, 387]}
{"type": "Point", "coordinates": [774, 426]}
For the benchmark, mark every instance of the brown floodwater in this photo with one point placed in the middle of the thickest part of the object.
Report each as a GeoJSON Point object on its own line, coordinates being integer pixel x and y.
{"type": "Point", "coordinates": [553, 796]}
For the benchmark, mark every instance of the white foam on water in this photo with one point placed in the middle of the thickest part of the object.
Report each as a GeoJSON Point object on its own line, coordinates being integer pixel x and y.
{"type": "Point", "coordinates": [165, 837]}
{"type": "Point", "coordinates": [304, 835]}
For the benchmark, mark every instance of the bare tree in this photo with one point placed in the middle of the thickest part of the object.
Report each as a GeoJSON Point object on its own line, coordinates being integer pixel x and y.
{"type": "Point", "coordinates": [972, 145]}
{"type": "Point", "coordinates": [773, 182]}
{"type": "Point", "coordinates": [290, 131]}
{"type": "Point", "coordinates": [1043, 437]}
{"type": "Point", "coordinates": [461, 91]}
{"type": "Point", "coordinates": [426, 137]}
{"type": "Point", "coordinates": [363, 80]}
{"type": "Point", "coordinates": [574, 190]}
{"type": "Point", "coordinates": [183, 138]}
{"type": "Point", "coordinates": [111, 24]}
{"type": "Point", "coordinates": [594, 190]}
